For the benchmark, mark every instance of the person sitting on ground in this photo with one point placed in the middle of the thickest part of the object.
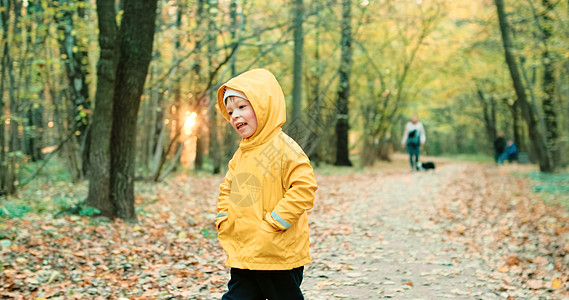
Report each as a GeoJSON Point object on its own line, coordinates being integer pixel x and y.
{"type": "Point", "coordinates": [510, 153]}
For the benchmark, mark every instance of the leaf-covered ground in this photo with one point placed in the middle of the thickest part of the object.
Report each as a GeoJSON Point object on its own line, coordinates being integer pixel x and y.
{"type": "Point", "coordinates": [465, 231]}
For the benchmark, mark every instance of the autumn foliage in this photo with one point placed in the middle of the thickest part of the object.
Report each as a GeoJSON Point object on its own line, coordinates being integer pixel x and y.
{"type": "Point", "coordinates": [522, 239]}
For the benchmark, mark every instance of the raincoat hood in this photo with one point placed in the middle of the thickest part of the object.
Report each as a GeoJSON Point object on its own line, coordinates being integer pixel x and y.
{"type": "Point", "coordinates": [267, 102]}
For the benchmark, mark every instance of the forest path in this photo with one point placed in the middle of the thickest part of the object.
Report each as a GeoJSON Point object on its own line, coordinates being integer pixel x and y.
{"type": "Point", "coordinates": [463, 231]}
{"type": "Point", "coordinates": [373, 236]}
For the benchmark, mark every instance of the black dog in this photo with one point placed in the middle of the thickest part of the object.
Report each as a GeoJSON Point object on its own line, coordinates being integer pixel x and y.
{"type": "Point", "coordinates": [425, 166]}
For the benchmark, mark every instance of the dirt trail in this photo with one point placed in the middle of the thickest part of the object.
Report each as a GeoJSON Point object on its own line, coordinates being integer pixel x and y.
{"type": "Point", "coordinates": [373, 238]}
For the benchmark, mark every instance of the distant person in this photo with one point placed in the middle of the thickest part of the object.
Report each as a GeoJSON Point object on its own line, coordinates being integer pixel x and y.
{"type": "Point", "coordinates": [499, 147]}
{"type": "Point", "coordinates": [510, 153]}
{"type": "Point", "coordinates": [414, 137]}
{"type": "Point", "coordinates": [262, 206]}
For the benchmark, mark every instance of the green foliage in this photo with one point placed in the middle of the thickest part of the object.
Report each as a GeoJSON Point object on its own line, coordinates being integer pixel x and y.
{"type": "Point", "coordinates": [553, 187]}
{"type": "Point", "coordinates": [208, 233]}
{"type": "Point", "coordinates": [54, 171]}
{"type": "Point", "coordinates": [60, 205]}
{"type": "Point", "coordinates": [14, 211]}
{"type": "Point", "coordinates": [68, 205]}
{"type": "Point", "coordinates": [88, 211]}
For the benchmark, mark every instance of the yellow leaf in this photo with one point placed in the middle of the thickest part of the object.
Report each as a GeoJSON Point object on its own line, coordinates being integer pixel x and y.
{"type": "Point", "coordinates": [503, 269]}
{"type": "Point", "coordinates": [556, 283]}
{"type": "Point", "coordinates": [182, 235]}
{"type": "Point", "coordinates": [136, 228]}
{"type": "Point", "coordinates": [460, 229]}
{"type": "Point", "coordinates": [41, 298]}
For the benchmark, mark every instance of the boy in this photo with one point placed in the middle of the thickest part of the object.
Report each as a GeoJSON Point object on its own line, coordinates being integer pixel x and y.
{"type": "Point", "coordinates": [261, 221]}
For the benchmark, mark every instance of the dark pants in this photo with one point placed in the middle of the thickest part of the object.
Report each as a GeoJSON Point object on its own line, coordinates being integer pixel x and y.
{"type": "Point", "coordinates": [261, 285]}
{"type": "Point", "coordinates": [414, 152]}
{"type": "Point", "coordinates": [497, 157]}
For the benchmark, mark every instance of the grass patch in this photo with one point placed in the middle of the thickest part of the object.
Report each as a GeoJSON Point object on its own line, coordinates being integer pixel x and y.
{"type": "Point", "coordinates": [553, 188]}
{"type": "Point", "coordinates": [49, 193]}
{"type": "Point", "coordinates": [327, 170]}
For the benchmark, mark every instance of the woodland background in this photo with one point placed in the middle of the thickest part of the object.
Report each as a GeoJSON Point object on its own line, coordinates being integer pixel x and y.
{"type": "Point", "coordinates": [124, 91]}
{"type": "Point", "coordinates": [107, 110]}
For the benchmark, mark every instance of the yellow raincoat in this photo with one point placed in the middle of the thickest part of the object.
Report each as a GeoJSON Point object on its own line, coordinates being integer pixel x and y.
{"type": "Point", "coordinates": [261, 220]}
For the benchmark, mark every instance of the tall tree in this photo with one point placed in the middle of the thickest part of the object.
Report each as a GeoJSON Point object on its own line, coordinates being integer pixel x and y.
{"type": "Point", "coordinates": [200, 134]}
{"type": "Point", "coordinates": [342, 122]}
{"type": "Point", "coordinates": [297, 72]}
{"type": "Point", "coordinates": [74, 53]}
{"type": "Point", "coordinates": [136, 39]}
{"type": "Point", "coordinates": [34, 109]}
{"type": "Point", "coordinates": [4, 14]}
{"type": "Point", "coordinates": [122, 70]}
{"type": "Point", "coordinates": [549, 83]}
{"type": "Point", "coordinates": [100, 154]}
{"type": "Point", "coordinates": [229, 136]}
{"type": "Point", "coordinates": [214, 151]}
{"type": "Point", "coordinates": [537, 137]}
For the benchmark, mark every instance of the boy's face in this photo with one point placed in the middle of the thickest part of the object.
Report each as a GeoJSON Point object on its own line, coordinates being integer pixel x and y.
{"type": "Point", "coordinates": [241, 116]}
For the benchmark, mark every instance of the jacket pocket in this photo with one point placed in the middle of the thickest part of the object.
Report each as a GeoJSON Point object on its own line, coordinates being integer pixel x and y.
{"type": "Point", "coordinates": [272, 246]}
{"type": "Point", "coordinates": [224, 237]}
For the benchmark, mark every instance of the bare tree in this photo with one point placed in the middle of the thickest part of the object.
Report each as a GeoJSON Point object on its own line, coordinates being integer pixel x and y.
{"type": "Point", "coordinates": [100, 154]}
{"type": "Point", "coordinates": [342, 122]}
{"type": "Point", "coordinates": [537, 137]}
{"type": "Point", "coordinates": [298, 56]}
{"type": "Point", "coordinates": [122, 70]}
{"type": "Point", "coordinates": [137, 35]}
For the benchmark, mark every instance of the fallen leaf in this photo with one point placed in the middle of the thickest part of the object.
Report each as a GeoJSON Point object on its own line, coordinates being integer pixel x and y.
{"type": "Point", "coordinates": [460, 229]}
{"type": "Point", "coordinates": [512, 260]}
{"type": "Point", "coordinates": [556, 283]}
{"type": "Point", "coordinates": [503, 269]}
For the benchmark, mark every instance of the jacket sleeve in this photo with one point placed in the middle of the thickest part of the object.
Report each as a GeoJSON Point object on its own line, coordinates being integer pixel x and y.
{"type": "Point", "coordinates": [223, 198]}
{"type": "Point", "coordinates": [300, 186]}
{"type": "Point", "coordinates": [405, 134]}
{"type": "Point", "coordinates": [423, 134]}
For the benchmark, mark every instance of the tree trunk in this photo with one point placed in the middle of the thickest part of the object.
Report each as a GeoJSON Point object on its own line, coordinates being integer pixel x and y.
{"type": "Point", "coordinates": [297, 73]}
{"type": "Point", "coordinates": [154, 116]}
{"type": "Point", "coordinates": [233, 32]}
{"type": "Point", "coordinates": [536, 136]}
{"type": "Point", "coordinates": [33, 107]}
{"type": "Point", "coordinates": [489, 114]}
{"type": "Point", "coordinates": [549, 86]}
{"type": "Point", "coordinates": [214, 150]}
{"type": "Point", "coordinates": [4, 14]}
{"type": "Point", "coordinates": [9, 137]}
{"type": "Point", "coordinates": [76, 70]}
{"type": "Point", "coordinates": [516, 127]}
{"type": "Point", "coordinates": [35, 121]}
{"type": "Point", "coordinates": [100, 154]}
{"type": "Point", "coordinates": [200, 135]}
{"type": "Point", "coordinates": [136, 38]}
{"type": "Point", "coordinates": [176, 114]}
{"type": "Point", "coordinates": [342, 121]}
{"type": "Point", "coordinates": [198, 161]}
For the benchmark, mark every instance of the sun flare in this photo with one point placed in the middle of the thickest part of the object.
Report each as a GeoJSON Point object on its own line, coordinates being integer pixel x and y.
{"type": "Point", "coordinates": [190, 123]}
